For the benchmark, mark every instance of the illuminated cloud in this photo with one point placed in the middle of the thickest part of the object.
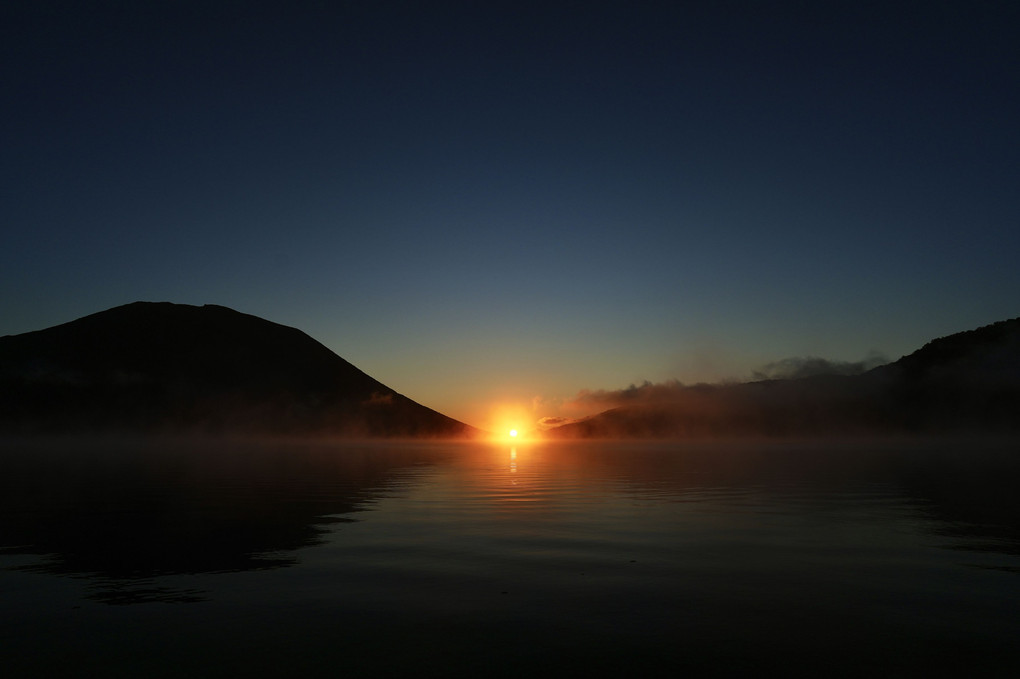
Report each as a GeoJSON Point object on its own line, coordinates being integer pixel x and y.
{"type": "Point", "coordinates": [550, 422]}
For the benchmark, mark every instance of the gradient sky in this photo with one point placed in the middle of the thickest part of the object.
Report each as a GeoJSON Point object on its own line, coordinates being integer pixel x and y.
{"type": "Point", "coordinates": [487, 204]}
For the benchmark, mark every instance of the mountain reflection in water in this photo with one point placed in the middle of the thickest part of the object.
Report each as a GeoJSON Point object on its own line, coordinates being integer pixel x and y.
{"type": "Point", "coordinates": [426, 558]}
{"type": "Point", "coordinates": [123, 514]}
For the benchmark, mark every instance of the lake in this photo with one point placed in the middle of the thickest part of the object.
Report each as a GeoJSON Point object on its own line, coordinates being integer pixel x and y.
{"type": "Point", "coordinates": [562, 559]}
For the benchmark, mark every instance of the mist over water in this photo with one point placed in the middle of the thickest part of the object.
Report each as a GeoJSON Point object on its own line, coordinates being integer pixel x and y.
{"type": "Point", "coordinates": [493, 560]}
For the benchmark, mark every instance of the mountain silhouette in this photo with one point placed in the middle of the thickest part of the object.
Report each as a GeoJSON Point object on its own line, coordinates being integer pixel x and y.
{"type": "Point", "coordinates": [121, 512]}
{"type": "Point", "coordinates": [966, 383]}
{"type": "Point", "coordinates": [162, 367]}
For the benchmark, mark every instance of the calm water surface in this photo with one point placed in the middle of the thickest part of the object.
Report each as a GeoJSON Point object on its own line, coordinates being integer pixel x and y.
{"type": "Point", "coordinates": [492, 560]}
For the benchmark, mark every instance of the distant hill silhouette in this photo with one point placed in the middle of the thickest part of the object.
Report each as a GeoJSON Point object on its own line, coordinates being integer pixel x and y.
{"type": "Point", "coordinates": [968, 382]}
{"type": "Point", "coordinates": [162, 367]}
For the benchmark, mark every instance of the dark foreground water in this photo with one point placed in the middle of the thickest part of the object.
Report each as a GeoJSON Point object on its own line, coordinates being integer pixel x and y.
{"type": "Point", "coordinates": [486, 560]}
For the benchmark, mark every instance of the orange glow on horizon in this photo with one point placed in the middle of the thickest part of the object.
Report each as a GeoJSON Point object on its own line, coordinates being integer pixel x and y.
{"type": "Point", "coordinates": [510, 422]}
{"type": "Point", "coordinates": [508, 433]}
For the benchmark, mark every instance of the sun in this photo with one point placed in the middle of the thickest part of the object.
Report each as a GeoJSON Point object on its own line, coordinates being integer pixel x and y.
{"type": "Point", "coordinates": [513, 433]}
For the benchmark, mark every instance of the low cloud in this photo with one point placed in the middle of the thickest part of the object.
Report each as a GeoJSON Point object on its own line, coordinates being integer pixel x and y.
{"type": "Point", "coordinates": [811, 366]}
{"type": "Point", "coordinates": [777, 402]}
{"type": "Point", "coordinates": [646, 392]}
{"type": "Point", "coordinates": [550, 422]}
{"type": "Point", "coordinates": [673, 392]}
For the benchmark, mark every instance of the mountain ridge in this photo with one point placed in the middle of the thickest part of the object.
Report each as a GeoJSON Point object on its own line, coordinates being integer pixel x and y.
{"type": "Point", "coordinates": [160, 366]}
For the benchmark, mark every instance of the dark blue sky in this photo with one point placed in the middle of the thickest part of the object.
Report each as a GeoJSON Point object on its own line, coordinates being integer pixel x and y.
{"type": "Point", "coordinates": [480, 203]}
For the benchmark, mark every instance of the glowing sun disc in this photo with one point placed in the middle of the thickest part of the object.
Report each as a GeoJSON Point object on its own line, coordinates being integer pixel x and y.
{"type": "Point", "coordinates": [513, 433]}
